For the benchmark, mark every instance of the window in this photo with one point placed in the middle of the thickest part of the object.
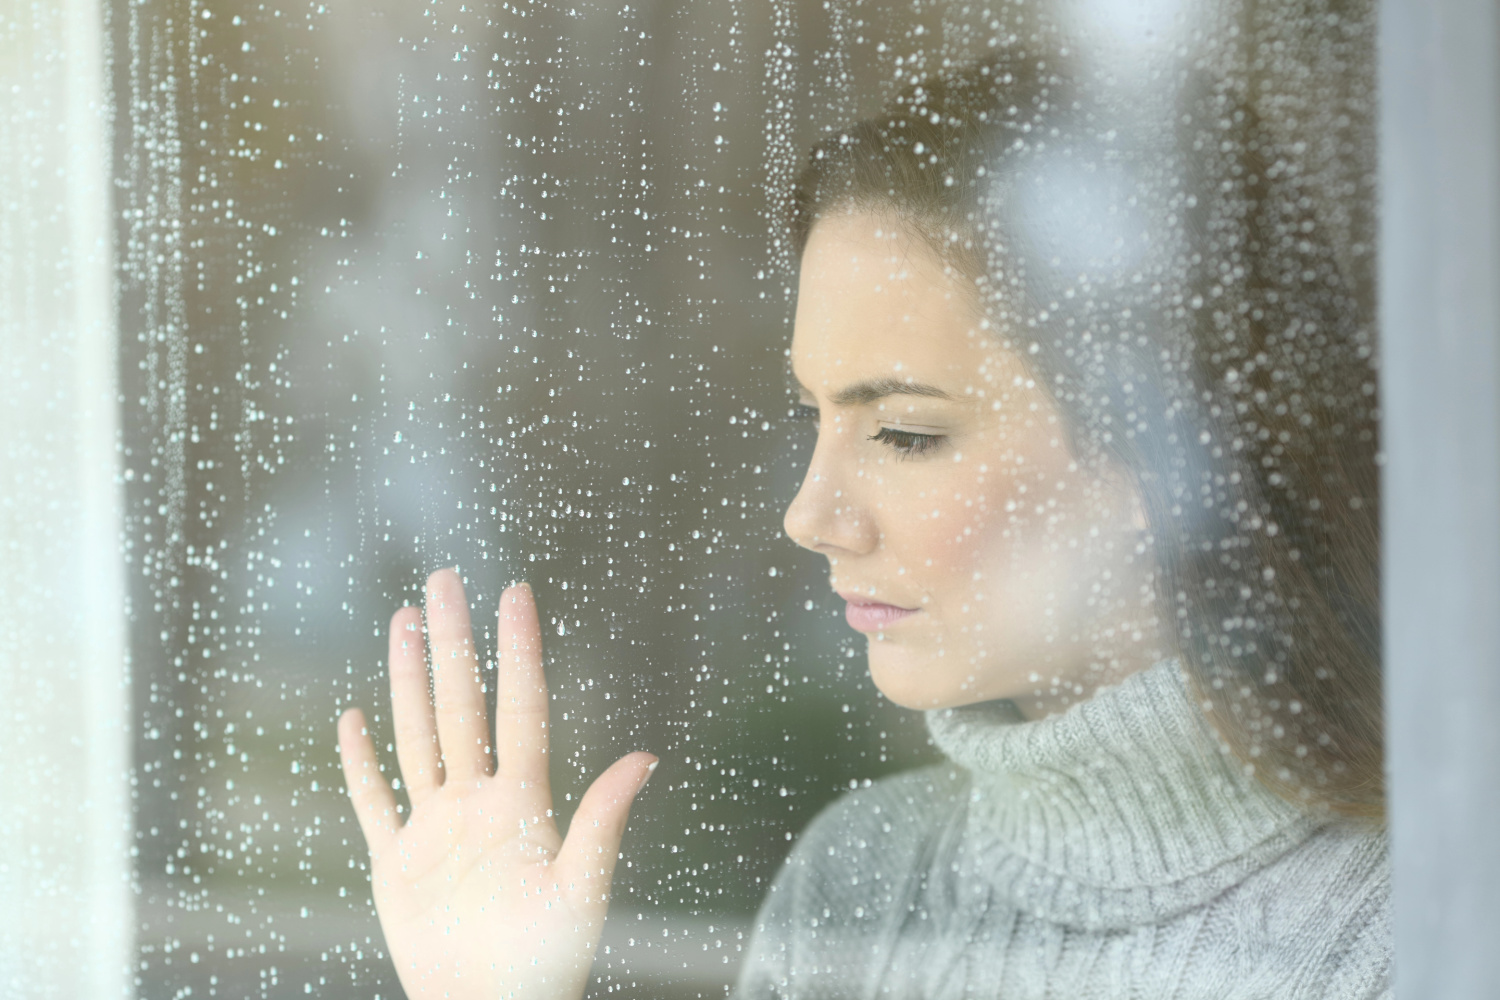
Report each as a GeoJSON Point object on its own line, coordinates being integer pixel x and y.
{"type": "Point", "coordinates": [303, 301]}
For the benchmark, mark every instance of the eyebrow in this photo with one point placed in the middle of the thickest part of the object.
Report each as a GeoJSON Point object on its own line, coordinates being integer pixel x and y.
{"type": "Point", "coordinates": [864, 393]}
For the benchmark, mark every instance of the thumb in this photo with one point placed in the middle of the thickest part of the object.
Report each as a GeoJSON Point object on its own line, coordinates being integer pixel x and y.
{"type": "Point", "coordinates": [587, 858]}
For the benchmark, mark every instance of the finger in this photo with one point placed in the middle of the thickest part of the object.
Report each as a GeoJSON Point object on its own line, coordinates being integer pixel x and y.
{"type": "Point", "coordinates": [463, 729]}
{"type": "Point", "coordinates": [588, 855]}
{"type": "Point", "coordinates": [411, 706]}
{"type": "Point", "coordinates": [374, 802]}
{"type": "Point", "coordinates": [521, 705]}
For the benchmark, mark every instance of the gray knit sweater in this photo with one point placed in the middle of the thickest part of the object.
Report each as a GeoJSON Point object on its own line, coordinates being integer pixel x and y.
{"type": "Point", "coordinates": [1112, 851]}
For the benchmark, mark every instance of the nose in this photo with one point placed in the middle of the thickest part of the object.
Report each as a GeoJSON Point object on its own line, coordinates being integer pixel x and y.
{"type": "Point", "coordinates": [827, 514]}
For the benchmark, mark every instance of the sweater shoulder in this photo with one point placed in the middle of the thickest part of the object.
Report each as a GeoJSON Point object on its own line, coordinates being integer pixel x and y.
{"type": "Point", "coordinates": [891, 807]}
{"type": "Point", "coordinates": [1352, 862]}
{"type": "Point", "coordinates": [892, 816]}
{"type": "Point", "coordinates": [1320, 915]}
{"type": "Point", "coordinates": [847, 872]}
{"type": "Point", "coordinates": [1341, 875]}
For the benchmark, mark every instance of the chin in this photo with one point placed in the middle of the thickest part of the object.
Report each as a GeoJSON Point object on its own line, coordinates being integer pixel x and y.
{"type": "Point", "coordinates": [921, 679]}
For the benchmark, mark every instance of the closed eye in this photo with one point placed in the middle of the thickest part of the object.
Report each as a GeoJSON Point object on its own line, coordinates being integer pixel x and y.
{"type": "Point", "coordinates": [907, 443]}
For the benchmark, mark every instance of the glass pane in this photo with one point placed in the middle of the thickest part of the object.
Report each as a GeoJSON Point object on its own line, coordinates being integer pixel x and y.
{"type": "Point", "coordinates": [512, 288]}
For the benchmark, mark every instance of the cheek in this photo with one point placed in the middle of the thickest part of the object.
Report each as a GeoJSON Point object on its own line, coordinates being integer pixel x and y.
{"type": "Point", "coordinates": [957, 523]}
{"type": "Point", "coordinates": [1001, 543]}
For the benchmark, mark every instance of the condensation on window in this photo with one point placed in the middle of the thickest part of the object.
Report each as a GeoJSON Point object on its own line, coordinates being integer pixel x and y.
{"type": "Point", "coordinates": [507, 287]}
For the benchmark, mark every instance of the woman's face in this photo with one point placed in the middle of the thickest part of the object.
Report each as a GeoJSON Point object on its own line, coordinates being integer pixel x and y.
{"type": "Point", "coordinates": [982, 560]}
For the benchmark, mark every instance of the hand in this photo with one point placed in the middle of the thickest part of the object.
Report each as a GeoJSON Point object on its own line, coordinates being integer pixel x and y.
{"type": "Point", "coordinates": [478, 894]}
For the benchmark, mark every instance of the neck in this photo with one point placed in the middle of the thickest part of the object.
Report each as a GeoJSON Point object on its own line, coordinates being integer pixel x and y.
{"type": "Point", "coordinates": [1127, 646]}
{"type": "Point", "coordinates": [1124, 639]}
{"type": "Point", "coordinates": [1053, 693]}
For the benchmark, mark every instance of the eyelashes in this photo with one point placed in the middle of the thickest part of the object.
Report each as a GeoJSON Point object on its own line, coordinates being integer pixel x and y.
{"type": "Point", "coordinates": [906, 444]}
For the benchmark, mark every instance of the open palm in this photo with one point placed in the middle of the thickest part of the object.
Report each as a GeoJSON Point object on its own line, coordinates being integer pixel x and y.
{"type": "Point", "coordinates": [478, 894]}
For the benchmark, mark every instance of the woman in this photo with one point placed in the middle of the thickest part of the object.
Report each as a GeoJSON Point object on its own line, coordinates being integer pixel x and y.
{"type": "Point", "coordinates": [1094, 472]}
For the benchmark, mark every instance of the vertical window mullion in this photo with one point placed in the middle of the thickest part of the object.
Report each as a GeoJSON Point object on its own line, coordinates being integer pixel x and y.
{"type": "Point", "coordinates": [1440, 315]}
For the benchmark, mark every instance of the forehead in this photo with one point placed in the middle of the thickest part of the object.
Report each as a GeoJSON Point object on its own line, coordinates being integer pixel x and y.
{"type": "Point", "coordinates": [874, 302]}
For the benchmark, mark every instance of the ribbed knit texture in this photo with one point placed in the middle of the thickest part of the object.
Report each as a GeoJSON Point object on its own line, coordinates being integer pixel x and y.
{"type": "Point", "coordinates": [1113, 851]}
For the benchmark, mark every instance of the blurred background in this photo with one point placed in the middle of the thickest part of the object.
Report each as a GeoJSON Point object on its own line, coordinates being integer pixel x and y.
{"type": "Point", "coordinates": [490, 285]}
{"type": "Point", "coordinates": [498, 285]}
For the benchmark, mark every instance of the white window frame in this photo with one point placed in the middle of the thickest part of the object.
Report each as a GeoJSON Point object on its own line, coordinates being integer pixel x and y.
{"type": "Point", "coordinates": [67, 920]}
{"type": "Point", "coordinates": [1439, 75]}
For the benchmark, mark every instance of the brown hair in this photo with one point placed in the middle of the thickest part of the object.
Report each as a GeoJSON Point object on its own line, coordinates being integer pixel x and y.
{"type": "Point", "coordinates": [1218, 357]}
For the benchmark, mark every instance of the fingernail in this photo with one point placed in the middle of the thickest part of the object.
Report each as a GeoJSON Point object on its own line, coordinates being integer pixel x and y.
{"type": "Point", "coordinates": [650, 770]}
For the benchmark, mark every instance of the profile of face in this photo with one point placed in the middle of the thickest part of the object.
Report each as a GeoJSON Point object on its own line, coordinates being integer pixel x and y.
{"type": "Point", "coordinates": [976, 551]}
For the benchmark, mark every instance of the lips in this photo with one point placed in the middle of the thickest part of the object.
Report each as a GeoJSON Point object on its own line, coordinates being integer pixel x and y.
{"type": "Point", "coordinates": [865, 615]}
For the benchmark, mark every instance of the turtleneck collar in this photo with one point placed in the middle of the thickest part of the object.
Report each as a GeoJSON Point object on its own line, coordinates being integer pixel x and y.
{"type": "Point", "coordinates": [1125, 809]}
